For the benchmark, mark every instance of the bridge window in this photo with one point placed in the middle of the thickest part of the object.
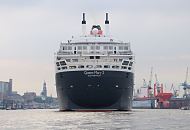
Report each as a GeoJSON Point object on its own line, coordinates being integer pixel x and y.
{"type": "Point", "coordinates": [75, 60]}
{"type": "Point", "coordinates": [110, 47]}
{"type": "Point", "coordinates": [72, 67]}
{"type": "Point", "coordinates": [97, 57]}
{"type": "Point", "coordinates": [81, 66]}
{"type": "Point", "coordinates": [125, 47]}
{"type": "Point", "coordinates": [84, 47]}
{"type": "Point", "coordinates": [62, 63]}
{"type": "Point", "coordinates": [105, 47]}
{"type": "Point", "coordinates": [92, 47]}
{"type": "Point", "coordinates": [79, 47]}
{"type": "Point", "coordinates": [57, 63]}
{"type": "Point", "coordinates": [115, 67]}
{"type": "Point", "coordinates": [64, 47]}
{"type": "Point", "coordinates": [69, 47]}
{"type": "Point", "coordinates": [65, 67]}
{"type": "Point", "coordinates": [123, 67]}
{"type": "Point", "coordinates": [106, 66]}
{"type": "Point", "coordinates": [131, 63]}
{"type": "Point", "coordinates": [91, 57]}
{"type": "Point", "coordinates": [98, 66]}
{"type": "Point", "coordinates": [97, 47]}
{"type": "Point", "coordinates": [68, 60]}
{"type": "Point", "coordinates": [130, 58]}
{"type": "Point", "coordinates": [58, 58]}
{"type": "Point", "coordinates": [125, 63]}
{"type": "Point", "coordinates": [89, 66]}
{"type": "Point", "coordinates": [120, 47]}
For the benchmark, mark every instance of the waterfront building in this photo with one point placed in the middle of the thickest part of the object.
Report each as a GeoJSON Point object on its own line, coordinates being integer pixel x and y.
{"type": "Point", "coordinates": [6, 87]}
{"type": "Point", "coordinates": [29, 96]}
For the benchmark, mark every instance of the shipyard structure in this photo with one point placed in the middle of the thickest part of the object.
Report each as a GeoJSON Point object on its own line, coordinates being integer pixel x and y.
{"type": "Point", "coordinates": [156, 97]}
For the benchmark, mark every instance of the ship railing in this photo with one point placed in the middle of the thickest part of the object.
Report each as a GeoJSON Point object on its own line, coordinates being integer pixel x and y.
{"type": "Point", "coordinates": [96, 61]}
{"type": "Point", "coordinates": [94, 53]}
{"type": "Point", "coordinates": [109, 60]}
{"type": "Point", "coordinates": [86, 53]}
{"type": "Point", "coordinates": [65, 53]}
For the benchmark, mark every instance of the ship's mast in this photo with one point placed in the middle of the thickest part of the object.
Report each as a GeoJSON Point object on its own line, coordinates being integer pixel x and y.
{"type": "Point", "coordinates": [83, 25]}
{"type": "Point", "coordinates": [107, 29]}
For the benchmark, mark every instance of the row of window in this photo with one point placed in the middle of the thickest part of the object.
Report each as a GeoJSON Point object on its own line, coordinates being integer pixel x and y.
{"type": "Point", "coordinates": [95, 48]}
{"type": "Point", "coordinates": [95, 57]}
{"type": "Point", "coordinates": [125, 63]}
{"type": "Point", "coordinates": [97, 66]}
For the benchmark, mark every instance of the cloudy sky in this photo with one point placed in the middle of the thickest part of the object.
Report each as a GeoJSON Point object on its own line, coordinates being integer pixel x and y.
{"type": "Point", "coordinates": [30, 33]}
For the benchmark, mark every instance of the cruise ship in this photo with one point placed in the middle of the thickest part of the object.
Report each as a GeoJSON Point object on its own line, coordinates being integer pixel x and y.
{"type": "Point", "coordinates": [94, 71]}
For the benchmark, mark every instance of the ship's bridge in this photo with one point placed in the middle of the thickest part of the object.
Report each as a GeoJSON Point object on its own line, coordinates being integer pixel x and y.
{"type": "Point", "coordinates": [94, 53]}
{"type": "Point", "coordinates": [92, 45]}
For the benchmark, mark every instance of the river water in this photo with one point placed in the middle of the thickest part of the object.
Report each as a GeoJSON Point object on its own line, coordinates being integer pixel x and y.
{"type": "Point", "coordinates": [138, 119]}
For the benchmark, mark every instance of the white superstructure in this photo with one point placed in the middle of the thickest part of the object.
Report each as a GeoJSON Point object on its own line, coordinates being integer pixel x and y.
{"type": "Point", "coordinates": [95, 51]}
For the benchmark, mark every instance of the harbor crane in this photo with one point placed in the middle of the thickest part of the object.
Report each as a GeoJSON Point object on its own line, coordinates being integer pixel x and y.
{"type": "Point", "coordinates": [158, 86]}
{"type": "Point", "coordinates": [186, 86]}
{"type": "Point", "coordinates": [144, 84]}
{"type": "Point", "coordinates": [175, 91]}
{"type": "Point", "coordinates": [149, 87]}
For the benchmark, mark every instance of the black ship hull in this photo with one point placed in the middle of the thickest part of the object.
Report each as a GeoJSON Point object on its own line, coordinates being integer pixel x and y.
{"type": "Point", "coordinates": [95, 90]}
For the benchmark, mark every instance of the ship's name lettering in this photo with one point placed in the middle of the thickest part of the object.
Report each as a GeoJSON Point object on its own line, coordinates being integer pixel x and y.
{"type": "Point", "coordinates": [94, 73]}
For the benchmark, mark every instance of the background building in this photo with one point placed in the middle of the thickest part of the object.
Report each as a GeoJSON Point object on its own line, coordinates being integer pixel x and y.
{"type": "Point", "coordinates": [29, 96]}
{"type": "Point", "coordinates": [6, 87]}
{"type": "Point", "coordinates": [44, 91]}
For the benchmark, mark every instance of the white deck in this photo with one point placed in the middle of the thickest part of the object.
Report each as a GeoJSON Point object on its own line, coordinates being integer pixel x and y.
{"type": "Point", "coordinates": [94, 53]}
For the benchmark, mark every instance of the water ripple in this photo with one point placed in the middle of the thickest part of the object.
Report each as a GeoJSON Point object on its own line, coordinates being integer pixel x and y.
{"type": "Point", "coordinates": [152, 119]}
